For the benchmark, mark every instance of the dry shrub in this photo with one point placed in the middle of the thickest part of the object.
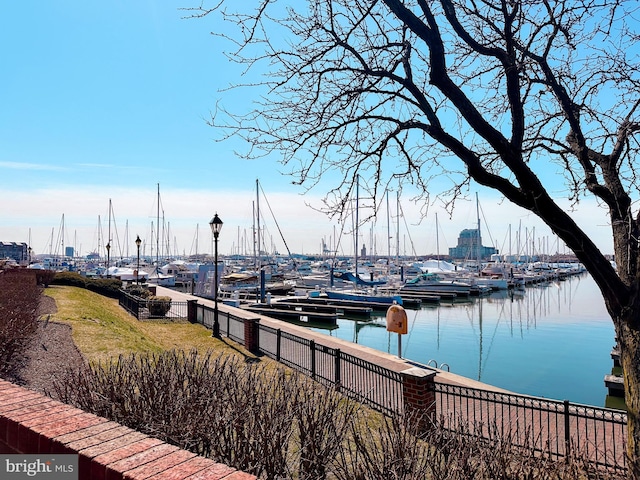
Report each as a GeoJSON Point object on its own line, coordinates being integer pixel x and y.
{"type": "Point", "coordinates": [281, 425]}
{"type": "Point", "coordinates": [383, 448]}
{"type": "Point", "coordinates": [19, 300]}
{"type": "Point", "coordinates": [265, 421]}
{"type": "Point", "coordinates": [399, 448]}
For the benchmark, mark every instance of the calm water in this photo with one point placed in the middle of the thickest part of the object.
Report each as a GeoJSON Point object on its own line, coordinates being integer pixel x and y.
{"type": "Point", "coordinates": [552, 341]}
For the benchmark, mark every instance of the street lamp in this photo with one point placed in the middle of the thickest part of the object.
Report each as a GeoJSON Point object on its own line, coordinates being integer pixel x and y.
{"type": "Point", "coordinates": [138, 242]}
{"type": "Point", "coordinates": [216, 226]}
{"type": "Point", "coordinates": [108, 247]}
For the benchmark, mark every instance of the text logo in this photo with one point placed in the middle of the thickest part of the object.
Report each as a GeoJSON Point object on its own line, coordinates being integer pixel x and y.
{"type": "Point", "coordinates": [46, 466]}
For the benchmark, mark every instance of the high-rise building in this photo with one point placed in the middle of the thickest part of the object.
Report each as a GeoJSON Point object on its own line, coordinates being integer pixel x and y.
{"type": "Point", "coordinates": [470, 247]}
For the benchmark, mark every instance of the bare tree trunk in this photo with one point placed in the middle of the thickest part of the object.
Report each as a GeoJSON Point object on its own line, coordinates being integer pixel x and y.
{"type": "Point", "coordinates": [629, 343]}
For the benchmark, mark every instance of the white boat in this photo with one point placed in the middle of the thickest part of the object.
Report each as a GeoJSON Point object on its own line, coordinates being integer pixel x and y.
{"type": "Point", "coordinates": [162, 280]}
{"type": "Point", "coordinates": [435, 282]}
{"type": "Point", "coordinates": [250, 283]}
{"type": "Point", "coordinates": [127, 274]}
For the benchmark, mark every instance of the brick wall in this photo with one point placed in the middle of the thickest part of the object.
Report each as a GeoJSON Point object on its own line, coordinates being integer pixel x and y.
{"type": "Point", "coordinates": [32, 423]}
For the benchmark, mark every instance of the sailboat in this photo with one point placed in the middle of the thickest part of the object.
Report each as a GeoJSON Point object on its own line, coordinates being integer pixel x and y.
{"type": "Point", "coordinates": [493, 276]}
{"type": "Point", "coordinates": [356, 292]}
{"type": "Point", "coordinates": [157, 277]}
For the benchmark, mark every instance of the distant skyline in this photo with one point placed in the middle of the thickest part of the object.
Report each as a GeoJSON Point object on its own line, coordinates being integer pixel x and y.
{"type": "Point", "coordinates": [103, 102]}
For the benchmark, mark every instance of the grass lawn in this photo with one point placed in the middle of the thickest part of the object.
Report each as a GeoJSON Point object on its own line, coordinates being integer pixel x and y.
{"type": "Point", "coordinates": [102, 329]}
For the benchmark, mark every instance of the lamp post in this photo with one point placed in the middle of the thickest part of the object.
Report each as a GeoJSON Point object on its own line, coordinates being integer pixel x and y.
{"type": "Point", "coordinates": [216, 226]}
{"type": "Point", "coordinates": [138, 242]}
{"type": "Point", "coordinates": [108, 247]}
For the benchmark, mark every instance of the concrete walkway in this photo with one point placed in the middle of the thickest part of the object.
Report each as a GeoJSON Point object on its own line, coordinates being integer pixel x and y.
{"type": "Point", "coordinates": [391, 362]}
{"type": "Point", "coordinates": [593, 431]}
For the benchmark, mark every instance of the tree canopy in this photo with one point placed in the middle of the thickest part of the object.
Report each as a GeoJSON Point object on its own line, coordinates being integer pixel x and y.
{"type": "Point", "coordinates": [537, 99]}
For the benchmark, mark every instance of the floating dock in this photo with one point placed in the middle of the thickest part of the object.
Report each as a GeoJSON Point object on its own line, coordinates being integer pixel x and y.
{"type": "Point", "coordinates": [291, 314]}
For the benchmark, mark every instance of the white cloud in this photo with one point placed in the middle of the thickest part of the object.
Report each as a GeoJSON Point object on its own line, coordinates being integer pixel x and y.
{"type": "Point", "coordinates": [186, 213]}
{"type": "Point", "coordinates": [30, 166]}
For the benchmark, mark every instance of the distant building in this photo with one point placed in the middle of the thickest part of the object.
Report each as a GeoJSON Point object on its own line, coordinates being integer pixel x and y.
{"type": "Point", "coordinates": [17, 251]}
{"type": "Point", "coordinates": [470, 247]}
{"type": "Point", "coordinates": [69, 251]}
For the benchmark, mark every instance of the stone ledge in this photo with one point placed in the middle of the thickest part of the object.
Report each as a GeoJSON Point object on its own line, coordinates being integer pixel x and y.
{"type": "Point", "coordinates": [32, 423]}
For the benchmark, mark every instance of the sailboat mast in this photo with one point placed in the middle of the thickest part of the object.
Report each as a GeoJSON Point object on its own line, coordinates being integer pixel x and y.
{"type": "Point", "coordinates": [158, 232]}
{"type": "Point", "coordinates": [109, 228]}
{"type": "Point", "coordinates": [258, 220]}
{"type": "Point", "coordinates": [388, 237]}
{"type": "Point", "coordinates": [357, 222]}
{"type": "Point", "coordinates": [479, 237]}
{"type": "Point", "coordinates": [437, 241]}
{"type": "Point", "coordinates": [255, 239]}
{"type": "Point", "coordinates": [398, 227]}
{"type": "Point", "coordinates": [62, 234]}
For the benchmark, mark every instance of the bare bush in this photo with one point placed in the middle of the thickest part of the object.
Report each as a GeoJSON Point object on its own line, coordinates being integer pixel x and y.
{"type": "Point", "coordinates": [281, 425]}
{"type": "Point", "coordinates": [399, 448]}
{"type": "Point", "coordinates": [19, 301]}
{"type": "Point", "coordinates": [323, 420]}
{"type": "Point", "coordinates": [384, 448]}
{"type": "Point", "coordinates": [240, 414]}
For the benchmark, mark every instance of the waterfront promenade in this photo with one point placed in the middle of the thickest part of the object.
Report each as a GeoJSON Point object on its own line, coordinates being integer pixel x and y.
{"type": "Point", "coordinates": [382, 359]}
{"type": "Point", "coordinates": [544, 425]}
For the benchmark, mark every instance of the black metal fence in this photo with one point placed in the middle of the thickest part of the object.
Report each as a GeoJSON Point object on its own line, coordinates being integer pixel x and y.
{"type": "Point", "coordinates": [370, 384]}
{"type": "Point", "coordinates": [230, 325]}
{"type": "Point", "coordinates": [144, 309]}
{"type": "Point", "coordinates": [550, 426]}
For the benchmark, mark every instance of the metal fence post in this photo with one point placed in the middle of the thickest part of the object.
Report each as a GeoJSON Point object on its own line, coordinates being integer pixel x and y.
{"type": "Point", "coordinates": [337, 373]}
{"type": "Point", "coordinates": [567, 433]}
{"type": "Point", "coordinates": [312, 346]}
{"type": "Point", "coordinates": [278, 340]}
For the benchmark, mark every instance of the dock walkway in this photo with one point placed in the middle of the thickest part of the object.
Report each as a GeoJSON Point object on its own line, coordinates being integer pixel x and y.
{"type": "Point", "coordinates": [377, 357]}
{"type": "Point", "coordinates": [598, 433]}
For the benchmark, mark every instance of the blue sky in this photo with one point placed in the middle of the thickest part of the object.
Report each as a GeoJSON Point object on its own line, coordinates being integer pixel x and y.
{"type": "Point", "coordinates": [103, 101]}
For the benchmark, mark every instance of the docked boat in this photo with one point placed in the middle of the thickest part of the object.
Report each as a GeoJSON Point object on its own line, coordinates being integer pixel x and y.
{"type": "Point", "coordinates": [127, 274]}
{"type": "Point", "coordinates": [434, 282]}
{"type": "Point", "coordinates": [162, 280]}
{"type": "Point", "coordinates": [357, 296]}
{"type": "Point", "coordinates": [250, 283]}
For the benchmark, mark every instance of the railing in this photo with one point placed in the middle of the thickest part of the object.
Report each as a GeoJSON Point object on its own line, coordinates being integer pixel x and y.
{"type": "Point", "coordinates": [140, 308]}
{"type": "Point", "coordinates": [230, 325]}
{"type": "Point", "coordinates": [364, 381]}
{"type": "Point", "coordinates": [555, 427]}
{"type": "Point", "coordinates": [550, 426]}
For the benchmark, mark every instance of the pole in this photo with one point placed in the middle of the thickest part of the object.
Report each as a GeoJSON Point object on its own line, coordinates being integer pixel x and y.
{"type": "Point", "coordinates": [138, 242]}
{"type": "Point", "coordinates": [216, 226]}
{"type": "Point", "coordinates": [216, 325]}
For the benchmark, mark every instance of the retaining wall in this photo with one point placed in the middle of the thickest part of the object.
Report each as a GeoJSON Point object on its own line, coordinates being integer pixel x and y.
{"type": "Point", "coordinates": [32, 423]}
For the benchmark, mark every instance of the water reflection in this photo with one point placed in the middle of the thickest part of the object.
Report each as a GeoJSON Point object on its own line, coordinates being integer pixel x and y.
{"type": "Point", "coordinates": [551, 340]}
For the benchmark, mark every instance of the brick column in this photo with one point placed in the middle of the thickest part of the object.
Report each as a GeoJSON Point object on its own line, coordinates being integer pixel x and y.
{"type": "Point", "coordinates": [192, 311]}
{"type": "Point", "coordinates": [419, 394]}
{"type": "Point", "coordinates": [251, 334]}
